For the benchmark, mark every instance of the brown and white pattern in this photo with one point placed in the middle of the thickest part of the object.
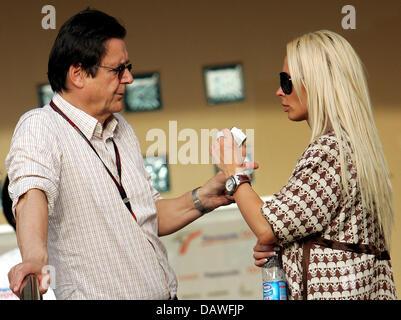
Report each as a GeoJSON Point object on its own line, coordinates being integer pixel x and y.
{"type": "Point", "coordinates": [314, 202]}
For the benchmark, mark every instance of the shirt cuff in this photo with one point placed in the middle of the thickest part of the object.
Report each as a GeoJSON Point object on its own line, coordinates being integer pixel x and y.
{"type": "Point", "coordinates": [281, 233]}
{"type": "Point", "coordinates": [23, 185]}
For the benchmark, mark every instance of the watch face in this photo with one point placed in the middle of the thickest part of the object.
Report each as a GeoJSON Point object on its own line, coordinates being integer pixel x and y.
{"type": "Point", "coordinates": [229, 184]}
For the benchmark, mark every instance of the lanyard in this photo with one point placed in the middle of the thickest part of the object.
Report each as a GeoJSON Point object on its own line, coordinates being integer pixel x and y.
{"type": "Point", "coordinates": [119, 186]}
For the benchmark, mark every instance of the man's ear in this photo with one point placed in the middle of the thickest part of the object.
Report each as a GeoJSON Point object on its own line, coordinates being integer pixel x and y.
{"type": "Point", "coordinates": [76, 76]}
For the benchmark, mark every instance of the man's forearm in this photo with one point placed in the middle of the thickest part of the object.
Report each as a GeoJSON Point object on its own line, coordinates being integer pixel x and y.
{"type": "Point", "coordinates": [174, 214]}
{"type": "Point", "coordinates": [32, 226]}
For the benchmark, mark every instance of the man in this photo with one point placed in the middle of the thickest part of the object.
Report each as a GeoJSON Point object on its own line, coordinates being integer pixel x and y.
{"type": "Point", "coordinates": [82, 198]}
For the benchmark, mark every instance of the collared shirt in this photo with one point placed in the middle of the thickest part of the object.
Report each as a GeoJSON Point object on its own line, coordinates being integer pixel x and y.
{"type": "Point", "coordinates": [97, 248]}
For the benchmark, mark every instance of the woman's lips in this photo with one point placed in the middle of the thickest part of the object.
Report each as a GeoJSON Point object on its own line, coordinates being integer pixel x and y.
{"type": "Point", "coordinates": [286, 107]}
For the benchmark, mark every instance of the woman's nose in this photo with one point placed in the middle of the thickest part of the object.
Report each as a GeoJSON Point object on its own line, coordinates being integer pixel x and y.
{"type": "Point", "coordinates": [279, 92]}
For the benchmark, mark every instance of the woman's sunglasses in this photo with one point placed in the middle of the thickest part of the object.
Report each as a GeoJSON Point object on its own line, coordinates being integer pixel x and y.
{"type": "Point", "coordinates": [285, 83]}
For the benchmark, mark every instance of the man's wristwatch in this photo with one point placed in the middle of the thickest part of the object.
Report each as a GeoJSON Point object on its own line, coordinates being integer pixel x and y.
{"type": "Point", "coordinates": [233, 182]}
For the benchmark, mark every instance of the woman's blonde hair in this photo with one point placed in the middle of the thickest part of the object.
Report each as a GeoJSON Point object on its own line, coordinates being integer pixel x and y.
{"type": "Point", "coordinates": [338, 99]}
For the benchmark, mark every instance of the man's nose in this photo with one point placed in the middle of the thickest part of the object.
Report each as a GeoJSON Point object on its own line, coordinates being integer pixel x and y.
{"type": "Point", "coordinates": [127, 77]}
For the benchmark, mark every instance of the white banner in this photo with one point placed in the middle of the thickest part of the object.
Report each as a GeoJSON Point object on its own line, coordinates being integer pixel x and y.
{"type": "Point", "coordinates": [213, 258]}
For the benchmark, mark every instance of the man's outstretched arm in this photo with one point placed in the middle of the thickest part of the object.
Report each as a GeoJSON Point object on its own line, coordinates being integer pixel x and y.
{"type": "Point", "coordinates": [174, 214]}
{"type": "Point", "coordinates": [32, 225]}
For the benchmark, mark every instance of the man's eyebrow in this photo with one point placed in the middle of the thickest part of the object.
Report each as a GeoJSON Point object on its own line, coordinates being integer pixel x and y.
{"type": "Point", "coordinates": [123, 63]}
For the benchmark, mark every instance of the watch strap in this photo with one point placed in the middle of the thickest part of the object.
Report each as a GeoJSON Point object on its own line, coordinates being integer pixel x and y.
{"type": "Point", "coordinates": [239, 179]}
{"type": "Point", "coordinates": [242, 178]}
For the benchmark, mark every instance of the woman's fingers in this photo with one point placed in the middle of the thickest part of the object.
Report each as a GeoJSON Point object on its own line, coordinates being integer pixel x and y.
{"type": "Point", "coordinates": [261, 252]}
{"type": "Point", "coordinates": [250, 165]}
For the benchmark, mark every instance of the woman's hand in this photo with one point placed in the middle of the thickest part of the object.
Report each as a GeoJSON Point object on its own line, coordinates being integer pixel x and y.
{"type": "Point", "coordinates": [227, 156]}
{"type": "Point", "coordinates": [263, 251]}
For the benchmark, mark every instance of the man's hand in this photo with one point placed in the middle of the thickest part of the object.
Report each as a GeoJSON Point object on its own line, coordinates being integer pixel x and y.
{"type": "Point", "coordinates": [18, 273]}
{"type": "Point", "coordinates": [212, 193]}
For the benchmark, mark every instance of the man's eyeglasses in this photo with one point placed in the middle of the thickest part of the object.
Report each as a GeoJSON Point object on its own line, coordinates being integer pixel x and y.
{"type": "Point", "coordinates": [285, 83]}
{"type": "Point", "coordinates": [118, 70]}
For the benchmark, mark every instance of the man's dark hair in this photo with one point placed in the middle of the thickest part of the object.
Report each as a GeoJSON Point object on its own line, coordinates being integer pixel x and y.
{"type": "Point", "coordinates": [81, 41]}
{"type": "Point", "coordinates": [7, 203]}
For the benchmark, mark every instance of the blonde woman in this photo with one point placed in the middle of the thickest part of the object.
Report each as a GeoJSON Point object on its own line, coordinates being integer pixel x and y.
{"type": "Point", "coordinates": [332, 220]}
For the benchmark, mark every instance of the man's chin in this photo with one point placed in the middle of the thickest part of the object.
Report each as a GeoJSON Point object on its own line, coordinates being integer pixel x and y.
{"type": "Point", "coordinates": [118, 106]}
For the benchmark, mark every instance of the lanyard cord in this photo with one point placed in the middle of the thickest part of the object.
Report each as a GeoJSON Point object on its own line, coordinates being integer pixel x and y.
{"type": "Point", "coordinates": [119, 186]}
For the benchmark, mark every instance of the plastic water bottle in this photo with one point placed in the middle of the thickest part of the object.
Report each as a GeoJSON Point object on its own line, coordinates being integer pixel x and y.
{"type": "Point", "coordinates": [274, 284]}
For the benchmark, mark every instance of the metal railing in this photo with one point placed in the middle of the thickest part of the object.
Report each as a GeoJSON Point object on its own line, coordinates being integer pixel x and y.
{"type": "Point", "coordinates": [30, 288]}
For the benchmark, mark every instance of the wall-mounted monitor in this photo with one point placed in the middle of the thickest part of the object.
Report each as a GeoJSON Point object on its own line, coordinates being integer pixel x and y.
{"type": "Point", "coordinates": [45, 94]}
{"type": "Point", "coordinates": [224, 83]}
{"type": "Point", "coordinates": [144, 93]}
{"type": "Point", "coordinates": [157, 167]}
